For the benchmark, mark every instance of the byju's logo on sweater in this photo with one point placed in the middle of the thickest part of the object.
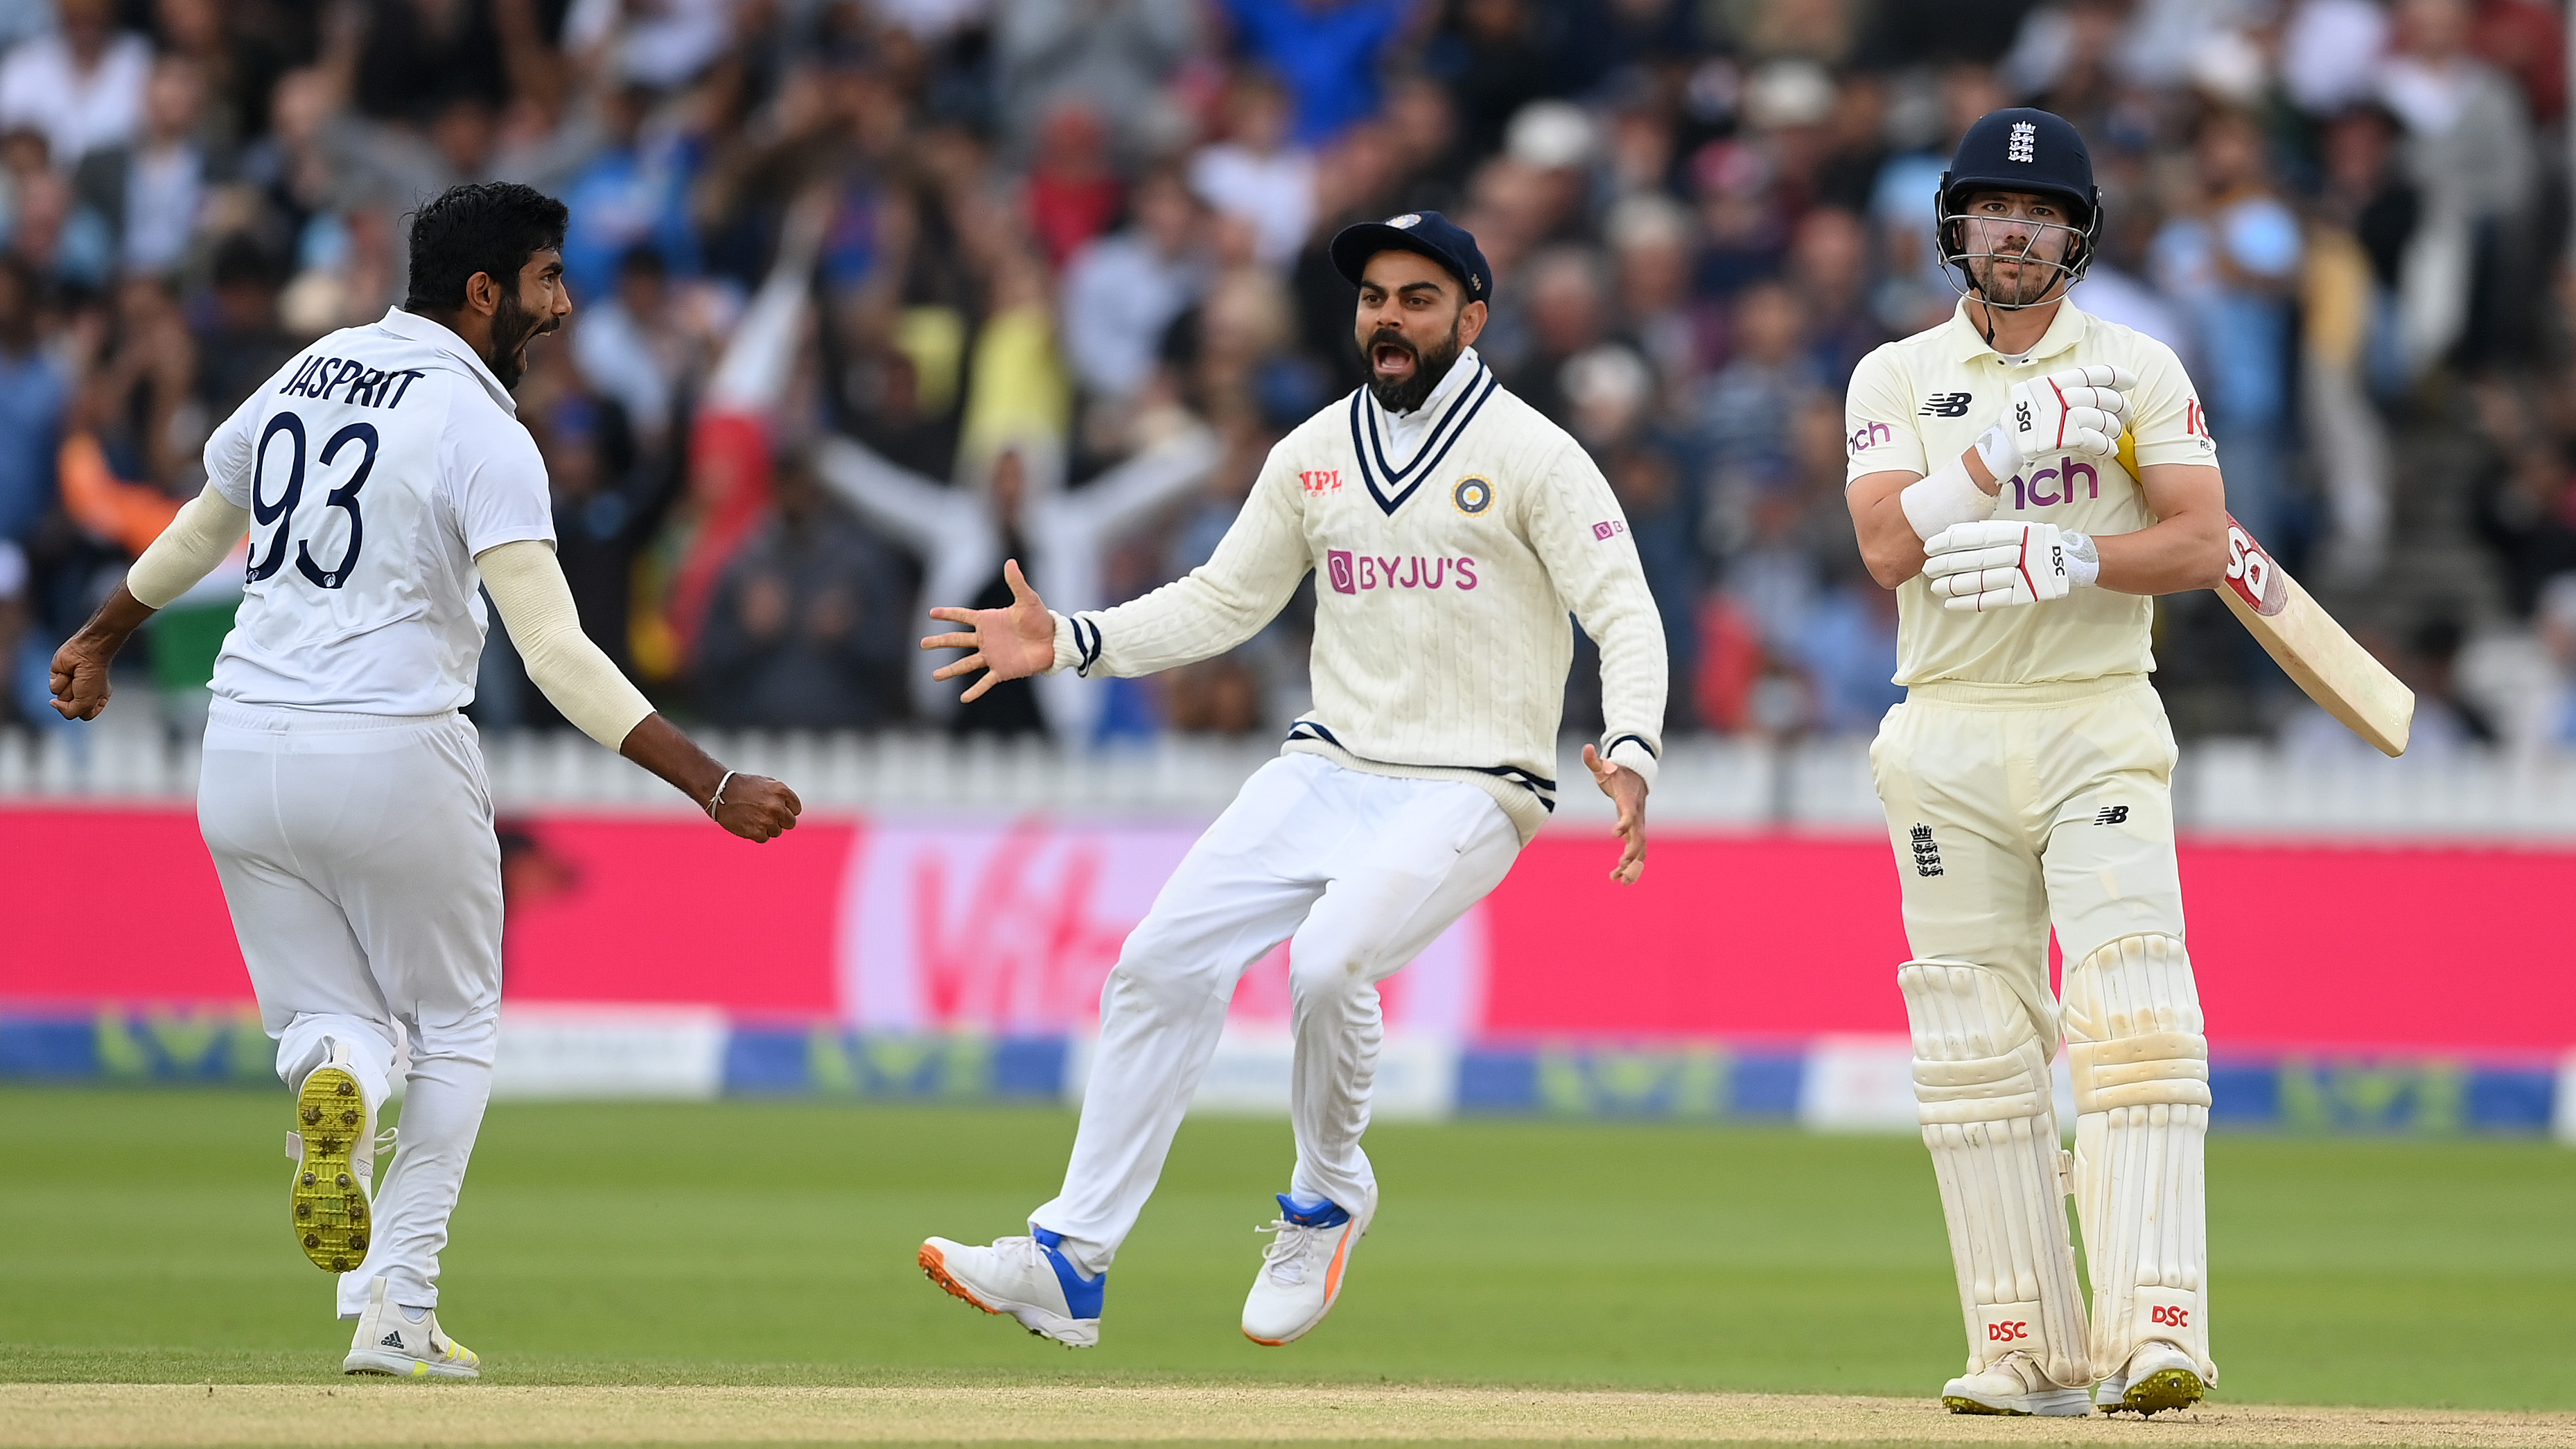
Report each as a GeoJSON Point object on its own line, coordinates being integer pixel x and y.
{"type": "Point", "coordinates": [1360, 573]}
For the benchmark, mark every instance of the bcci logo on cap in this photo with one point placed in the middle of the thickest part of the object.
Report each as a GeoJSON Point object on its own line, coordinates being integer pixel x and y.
{"type": "Point", "coordinates": [2024, 143]}
{"type": "Point", "coordinates": [1405, 222]}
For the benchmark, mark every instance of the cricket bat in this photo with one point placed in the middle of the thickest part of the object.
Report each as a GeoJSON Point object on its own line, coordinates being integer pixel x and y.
{"type": "Point", "coordinates": [2304, 639]}
{"type": "Point", "coordinates": [2312, 648]}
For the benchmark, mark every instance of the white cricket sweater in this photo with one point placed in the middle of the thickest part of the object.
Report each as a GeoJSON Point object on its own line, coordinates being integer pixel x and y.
{"type": "Point", "coordinates": [1443, 586]}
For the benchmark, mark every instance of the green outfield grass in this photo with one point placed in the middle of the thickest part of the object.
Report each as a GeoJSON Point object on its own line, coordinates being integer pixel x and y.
{"type": "Point", "coordinates": [142, 1238]}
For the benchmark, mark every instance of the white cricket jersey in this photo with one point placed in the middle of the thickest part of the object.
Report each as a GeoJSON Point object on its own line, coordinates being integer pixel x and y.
{"type": "Point", "coordinates": [1448, 547]}
{"type": "Point", "coordinates": [1922, 401]}
{"type": "Point", "coordinates": [376, 465]}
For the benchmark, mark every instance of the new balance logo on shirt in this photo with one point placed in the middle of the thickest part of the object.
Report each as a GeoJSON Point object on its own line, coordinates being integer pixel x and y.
{"type": "Point", "coordinates": [1946, 405]}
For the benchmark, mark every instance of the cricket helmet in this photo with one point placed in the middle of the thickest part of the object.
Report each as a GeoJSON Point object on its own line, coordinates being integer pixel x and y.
{"type": "Point", "coordinates": [2019, 149]}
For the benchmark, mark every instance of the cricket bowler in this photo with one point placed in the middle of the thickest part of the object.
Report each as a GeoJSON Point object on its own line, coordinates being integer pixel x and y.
{"type": "Point", "coordinates": [2027, 782]}
{"type": "Point", "coordinates": [385, 481]}
{"type": "Point", "coordinates": [1451, 529]}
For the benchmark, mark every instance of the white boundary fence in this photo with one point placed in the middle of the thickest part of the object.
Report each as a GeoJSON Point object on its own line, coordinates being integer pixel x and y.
{"type": "Point", "coordinates": [2222, 787]}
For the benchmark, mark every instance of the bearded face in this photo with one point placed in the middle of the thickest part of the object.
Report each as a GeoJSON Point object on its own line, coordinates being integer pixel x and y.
{"type": "Point", "coordinates": [514, 326]}
{"type": "Point", "coordinates": [1400, 388]}
{"type": "Point", "coordinates": [2016, 245]}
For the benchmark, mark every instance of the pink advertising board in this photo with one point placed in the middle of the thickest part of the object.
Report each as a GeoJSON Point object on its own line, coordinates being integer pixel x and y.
{"type": "Point", "coordinates": [1009, 925]}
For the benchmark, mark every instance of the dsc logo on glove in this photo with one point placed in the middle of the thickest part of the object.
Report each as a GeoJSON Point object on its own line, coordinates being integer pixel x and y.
{"type": "Point", "coordinates": [2008, 1332]}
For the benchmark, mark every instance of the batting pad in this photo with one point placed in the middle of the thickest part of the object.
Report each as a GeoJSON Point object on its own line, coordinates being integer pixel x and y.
{"type": "Point", "coordinates": [2141, 1069]}
{"type": "Point", "coordinates": [1981, 1082]}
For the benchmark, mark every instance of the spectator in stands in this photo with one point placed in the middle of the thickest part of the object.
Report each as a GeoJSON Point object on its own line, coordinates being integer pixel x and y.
{"type": "Point", "coordinates": [1565, 305]}
{"type": "Point", "coordinates": [33, 396]}
{"type": "Point", "coordinates": [1325, 51]}
{"type": "Point", "coordinates": [1254, 174]}
{"type": "Point", "coordinates": [1110, 56]}
{"type": "Point", "coordinates": [633, 192]}
{"type": "Point", "coordinates": [150, 190]}
{"type": "Point", "coordinates": [239, 342]}
{"type": "Point", "coordinates": [633, 347]}
{"type": "Point", "coordinates": [1745, 409]}
{"type": "Point", "coordinates": [1122, 292]}
{"type": "Point", "coordinates": [805, 631]}
{"type": "Point", "coordinates": [82, 85]}
{"type": "Point", "coordinates": [2231, 263]}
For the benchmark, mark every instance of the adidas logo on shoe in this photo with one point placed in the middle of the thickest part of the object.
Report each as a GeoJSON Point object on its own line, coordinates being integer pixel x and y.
{"type": "Point", "coordinates": [391, 1340]}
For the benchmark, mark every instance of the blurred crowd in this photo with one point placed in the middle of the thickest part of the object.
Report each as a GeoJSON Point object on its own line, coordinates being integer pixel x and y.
{"type": "Point", "coordinates": [1045, 279]}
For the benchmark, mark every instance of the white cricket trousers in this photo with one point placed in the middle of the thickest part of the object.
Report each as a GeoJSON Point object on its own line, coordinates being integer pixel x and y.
{"type": "Point", "coordinates": [364, 879]}
{"type": "Point", "coordinates": [1359, 873]}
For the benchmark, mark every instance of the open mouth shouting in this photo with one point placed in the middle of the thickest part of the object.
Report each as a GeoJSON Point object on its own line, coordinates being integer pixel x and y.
{"type": "Point", "coordinates": [1392, 360]}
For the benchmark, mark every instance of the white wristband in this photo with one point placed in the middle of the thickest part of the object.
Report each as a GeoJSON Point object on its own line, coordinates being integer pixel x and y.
{"type": "Point", "coordinates": [2001, 455]}
{"type": "Point", "coordinates": [1948, 496]}
{"type": "Point", "coordinates": [2083, 560]}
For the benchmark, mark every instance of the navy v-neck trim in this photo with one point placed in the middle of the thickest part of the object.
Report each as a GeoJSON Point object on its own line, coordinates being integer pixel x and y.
{"type": "Point", "coordinates": [1443, 436]}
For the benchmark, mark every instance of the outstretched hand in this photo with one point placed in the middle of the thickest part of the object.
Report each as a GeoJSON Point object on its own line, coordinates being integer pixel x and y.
{"type": "Point", "coordinates": [1011, 643]}
{"type": "Point", "coordinates": [1626, 789]}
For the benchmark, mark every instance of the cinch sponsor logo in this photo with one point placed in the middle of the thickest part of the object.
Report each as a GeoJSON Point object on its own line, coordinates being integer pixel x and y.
{"type": "Point", "coordinates": [1351, 573]}
{"type": "Point", "coordinates": [1321, 480]}
{"type": "Point", "coordinates": [2170, 1317]}
{"type": "Point", "coordinates": [2041, 488]}
{"type": "Point", "coordinates": [2007, 1332]}
{"type": "Point", "coordinates": [1865, 438]}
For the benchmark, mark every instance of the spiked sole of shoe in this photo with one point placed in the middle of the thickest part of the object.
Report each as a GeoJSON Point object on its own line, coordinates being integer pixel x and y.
{"type": "Point", "coordinates": [934, 1264]}
{"type": "Point", "coordinates": [1958, 1405]}
{"type": "Point", "coordinates": [327, 1203]}
{"type": "Point", "coordinates": [2158, 1391]}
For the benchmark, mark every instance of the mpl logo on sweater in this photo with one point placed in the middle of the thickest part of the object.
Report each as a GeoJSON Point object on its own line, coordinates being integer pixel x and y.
{"type": "Point", "coordinates": [1355, 573]}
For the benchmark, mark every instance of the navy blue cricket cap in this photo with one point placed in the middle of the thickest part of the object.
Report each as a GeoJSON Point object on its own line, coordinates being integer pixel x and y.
{"type": "Point", "coordinates": [1428, 232]}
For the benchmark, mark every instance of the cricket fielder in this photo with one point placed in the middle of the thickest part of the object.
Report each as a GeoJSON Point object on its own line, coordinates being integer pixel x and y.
{"type": "Point", "coordinates": [1451, 528]}
{"type": "Point", "coordinates": [384, 478]}
{"type": "Point", "coordinates": [2027, 780]}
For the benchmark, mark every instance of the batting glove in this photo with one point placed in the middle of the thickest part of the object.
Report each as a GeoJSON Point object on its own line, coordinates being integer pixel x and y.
{"type": "Point", "coordinates": [1975, 567]}
{"type": "Point", "coordinates": [2081, 411]}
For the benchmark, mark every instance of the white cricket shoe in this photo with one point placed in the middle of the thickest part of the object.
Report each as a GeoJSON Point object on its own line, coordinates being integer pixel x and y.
{"type": "Point", "coordinates": [2158, 1376]}
{"type": "Point", "coordinates": [390, 1342]}
{"type": "Point", "coordinates": [2013, 1384]}
{"type": "Point", "coordinates": [1301, 1271]}
{"type": "Point", "coordinates": [331, 1200]}
{"type": "Point", "coordinates": [1028, 1278]}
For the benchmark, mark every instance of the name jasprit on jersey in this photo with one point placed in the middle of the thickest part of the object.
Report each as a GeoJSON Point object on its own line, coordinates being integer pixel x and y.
{"type": "Point", "coordinates": [320, 377]}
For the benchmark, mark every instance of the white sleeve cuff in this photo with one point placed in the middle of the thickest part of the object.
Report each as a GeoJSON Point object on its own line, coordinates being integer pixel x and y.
{"type": "Point", "coordinates": [1636, 753]}
{"type": "Point", "coordinates": [1068, 654]}
{"type": "Point", "coordinates": [1948, 496]}
{"type": "Point", "coordinates": [1077, 645]}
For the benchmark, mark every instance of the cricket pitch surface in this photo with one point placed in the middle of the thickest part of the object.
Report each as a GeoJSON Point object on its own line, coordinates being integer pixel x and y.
{"type": "Point", "coordinates": [363, 1412]}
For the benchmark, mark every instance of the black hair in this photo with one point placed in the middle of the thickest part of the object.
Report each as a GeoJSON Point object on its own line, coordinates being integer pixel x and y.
{"type": "Point", "coordinates": [482, 226]}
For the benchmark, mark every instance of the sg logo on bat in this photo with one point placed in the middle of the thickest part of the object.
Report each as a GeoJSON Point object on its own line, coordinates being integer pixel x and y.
{"type": "Point", "coordinates": [2252, 573]}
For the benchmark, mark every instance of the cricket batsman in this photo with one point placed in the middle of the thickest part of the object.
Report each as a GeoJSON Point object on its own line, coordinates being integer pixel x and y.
{"type": "Point", "coordinates": [1451, 529]}
{"type": "Point", "coordinates": [2026, 477]}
